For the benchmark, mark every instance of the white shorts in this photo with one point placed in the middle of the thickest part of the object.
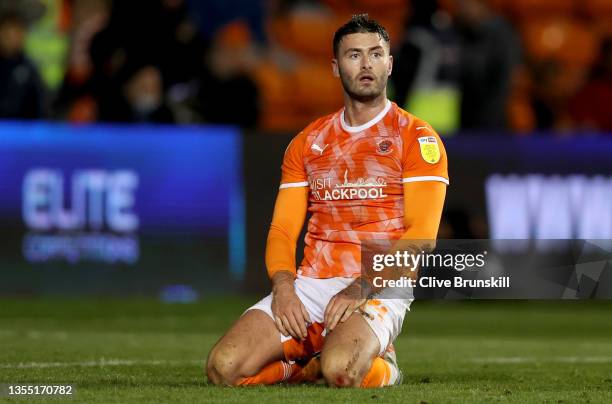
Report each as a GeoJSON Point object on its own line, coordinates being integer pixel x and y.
{"type": "Point", "coordinates": [385, 316]}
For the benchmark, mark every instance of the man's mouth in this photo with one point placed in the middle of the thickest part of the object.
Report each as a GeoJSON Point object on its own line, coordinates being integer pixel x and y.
{"type": "Point", "coordinates": [366, 78]}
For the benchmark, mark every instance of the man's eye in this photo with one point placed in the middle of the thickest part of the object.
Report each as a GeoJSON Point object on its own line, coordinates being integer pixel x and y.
{"type": "Point", "coordinates": [377, 54]}
{"type": "Point", "coordinates": [354, 55]}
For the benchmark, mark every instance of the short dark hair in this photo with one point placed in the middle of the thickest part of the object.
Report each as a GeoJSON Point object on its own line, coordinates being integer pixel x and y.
{"type": "Point", "coordinates": [359, 23]}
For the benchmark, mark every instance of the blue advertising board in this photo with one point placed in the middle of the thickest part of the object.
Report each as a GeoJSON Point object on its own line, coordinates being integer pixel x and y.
{"type": "Point", "coordinates": [104, 195]}
{"type": "Point", "coordinates": [534, 187]}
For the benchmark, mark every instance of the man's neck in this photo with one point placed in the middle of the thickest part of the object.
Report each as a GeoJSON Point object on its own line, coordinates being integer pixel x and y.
{"type": "Point", "coordinates": [357, 113]}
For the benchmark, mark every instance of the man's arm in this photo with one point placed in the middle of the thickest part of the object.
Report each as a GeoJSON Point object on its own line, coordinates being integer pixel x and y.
{"type": "Point", "coordinates": [423, 204]}
{"type": "Point", "coordinates": [290, 315]}
{"type": "Point", "coordinates": [287, 222]}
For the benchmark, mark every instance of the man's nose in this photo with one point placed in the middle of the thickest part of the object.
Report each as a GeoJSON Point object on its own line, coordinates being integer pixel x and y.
{"type": "Point", "coordinates": [365, 63]}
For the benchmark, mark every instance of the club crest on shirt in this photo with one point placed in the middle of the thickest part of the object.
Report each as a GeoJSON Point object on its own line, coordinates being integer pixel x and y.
{"type": "Point", "coordinates": [384, 146]}
{"type": "Point", "coordinates": [429, 149]}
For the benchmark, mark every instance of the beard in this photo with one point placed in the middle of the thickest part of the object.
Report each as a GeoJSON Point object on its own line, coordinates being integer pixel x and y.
{"type": "Point", "coordinates": [363, 94]}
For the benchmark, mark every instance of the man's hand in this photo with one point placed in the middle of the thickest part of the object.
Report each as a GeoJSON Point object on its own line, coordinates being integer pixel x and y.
{"type": "Point", "coordinates": [290, 315]}
{"type": "Point", "coordinates": [343, 304]}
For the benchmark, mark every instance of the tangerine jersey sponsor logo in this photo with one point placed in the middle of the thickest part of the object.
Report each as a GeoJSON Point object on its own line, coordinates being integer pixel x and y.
{"type": "Point", "coordinates": [370, 188]}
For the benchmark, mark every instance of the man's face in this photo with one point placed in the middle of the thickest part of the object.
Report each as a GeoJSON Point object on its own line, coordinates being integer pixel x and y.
{"type": "Point", "coordinates": [363, 64]}
{"type": "Point", "coordinates": [144, 90]}
{"type": "Point", "coordinates": [12, 37]}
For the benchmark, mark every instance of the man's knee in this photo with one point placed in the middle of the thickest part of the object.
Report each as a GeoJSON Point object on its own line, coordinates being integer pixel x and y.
{"type": "Point", "coordinates": [342, 369]}
{"type": "Point", "coordinates": [223, 366]}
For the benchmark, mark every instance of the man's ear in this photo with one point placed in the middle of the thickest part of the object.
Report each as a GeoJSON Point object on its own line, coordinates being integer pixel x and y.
{"type": "Point", "coordinates": [390, 65]}
{"type": "Point", "coordinates": [335, 68]}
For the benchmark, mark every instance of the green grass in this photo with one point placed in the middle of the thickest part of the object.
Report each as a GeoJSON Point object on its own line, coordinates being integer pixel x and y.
{"type": "Point", "coordinates": [144, 351]}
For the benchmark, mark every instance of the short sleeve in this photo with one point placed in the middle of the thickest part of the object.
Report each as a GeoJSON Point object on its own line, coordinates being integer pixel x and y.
{"type": "Point", "coordinates": [293, 171]}
{"type": "Point", "coordinates": [424, 156]}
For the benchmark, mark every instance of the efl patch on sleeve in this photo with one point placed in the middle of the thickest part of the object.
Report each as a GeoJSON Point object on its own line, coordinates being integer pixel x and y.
{"type": "Point", "coordinates": [429, 149]}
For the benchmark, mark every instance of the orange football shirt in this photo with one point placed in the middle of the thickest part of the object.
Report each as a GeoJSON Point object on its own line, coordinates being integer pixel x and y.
{"type": "Point", "coordinates": [355, 175]}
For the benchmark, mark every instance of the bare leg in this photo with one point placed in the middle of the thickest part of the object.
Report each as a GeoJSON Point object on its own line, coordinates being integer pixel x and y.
{"type": "Point", "coordinates": [348, 352]}
{"type": "Point", "coordinates": [251, 343]}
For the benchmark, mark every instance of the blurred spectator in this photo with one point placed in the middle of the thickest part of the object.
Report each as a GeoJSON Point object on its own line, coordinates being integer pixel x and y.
{"type": "Point", "coordinates": [22, 92]}
{"type": "Point", "coordinates": [75, 100]}
{"type": "Point", "coordinates": [47, 41]}
{"type": "Point", "coordinates": [142, 99]}
{"type": "Point", "coordinates": [156, 31]}
{"type": "Point", "coordinates": [143, 31]}
{"type": "Point", "coordinates": [490, 53]}
{"type": "Point", "coordinates": [180, 45]}
{"type": "Point", "coordinates": [227, 94]}
{"type": "Point", "coordinates": [590, 107]}
{"type": "Point", "coordinates": [554, 85]}
{"type": "Point", "coordinates": [425, 67]}
{"type": "Point", "coordinates": [129, 33]}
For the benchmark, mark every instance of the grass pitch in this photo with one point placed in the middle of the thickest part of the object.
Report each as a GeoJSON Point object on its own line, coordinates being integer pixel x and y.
{"type": "Point", "coordinates": [144, 351]}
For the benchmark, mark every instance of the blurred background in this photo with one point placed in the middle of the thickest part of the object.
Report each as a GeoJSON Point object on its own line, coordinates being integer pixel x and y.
{"type": "Point", "coordinates": [514, 66]}
{"type": "Point", "coordinates": [141, 140]}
